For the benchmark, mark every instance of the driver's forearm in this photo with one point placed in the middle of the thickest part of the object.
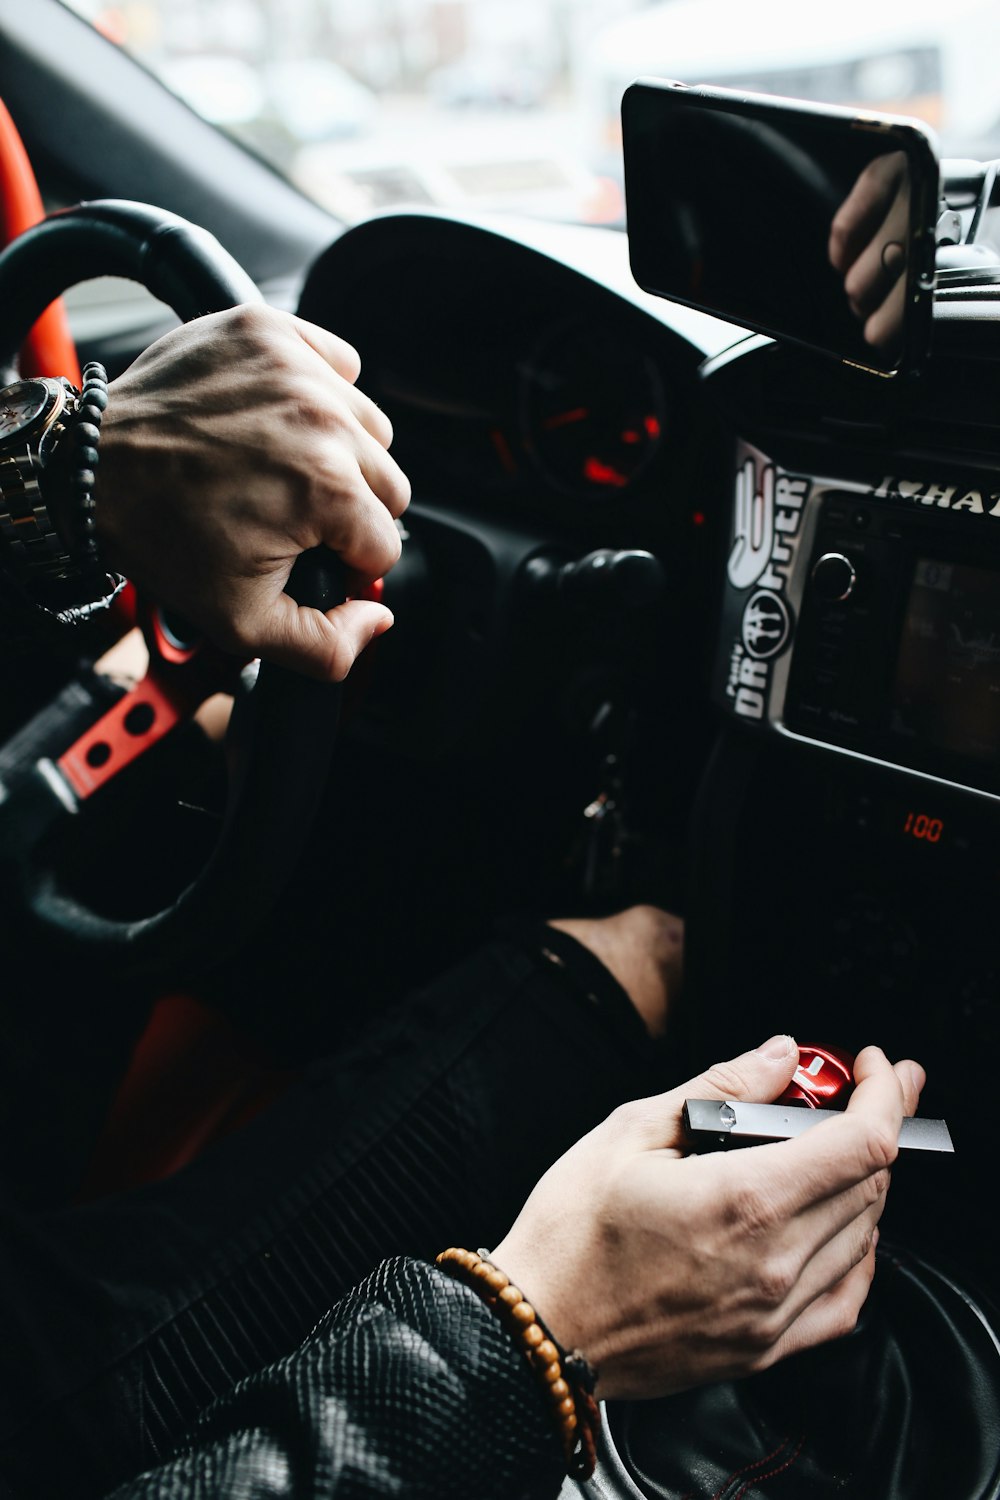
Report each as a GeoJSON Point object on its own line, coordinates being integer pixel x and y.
{"type": "Point", "coordinates": [409, 1387]}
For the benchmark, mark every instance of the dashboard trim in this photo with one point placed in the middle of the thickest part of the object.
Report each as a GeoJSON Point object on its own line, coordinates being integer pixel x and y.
{"type": "Point", "coordinates": [910, 772]}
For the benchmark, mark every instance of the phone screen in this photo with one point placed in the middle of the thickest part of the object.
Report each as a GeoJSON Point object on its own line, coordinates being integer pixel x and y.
{"type": "Point", "coordinates": [806, 222]}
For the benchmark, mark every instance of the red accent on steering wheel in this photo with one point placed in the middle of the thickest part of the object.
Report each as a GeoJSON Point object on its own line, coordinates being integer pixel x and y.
{"type": "Point", "coordinates": [180, 676]}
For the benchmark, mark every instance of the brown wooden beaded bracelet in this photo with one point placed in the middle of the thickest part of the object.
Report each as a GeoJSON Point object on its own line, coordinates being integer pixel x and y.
{"type": "Point", "coordinates": [571, 1400]}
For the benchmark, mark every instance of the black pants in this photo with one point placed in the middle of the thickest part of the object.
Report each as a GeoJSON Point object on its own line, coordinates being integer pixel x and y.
{"type": "Point", "coordinates": [121, 1319]}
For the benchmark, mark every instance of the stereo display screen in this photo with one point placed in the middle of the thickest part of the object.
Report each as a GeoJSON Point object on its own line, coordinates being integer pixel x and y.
{"type": "Point", "coordinates": [947, 688]}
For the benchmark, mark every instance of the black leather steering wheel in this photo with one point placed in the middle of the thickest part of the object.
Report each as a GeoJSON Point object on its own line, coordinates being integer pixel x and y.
{"type": "Point", "coordinates": [282, 731]}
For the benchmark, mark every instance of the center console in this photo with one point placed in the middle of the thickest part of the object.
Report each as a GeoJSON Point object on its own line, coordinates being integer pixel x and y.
{"type": "Point", "coordinates": [845, 845]}
{"type": "Point", "coordinates": [850, 903]}
{"type": "Point", "coordinates": [845, 889]}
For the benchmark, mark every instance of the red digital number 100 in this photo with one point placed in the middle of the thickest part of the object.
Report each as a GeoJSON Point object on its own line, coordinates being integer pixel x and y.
{"type": "Point", "coordinates": [920, 826]}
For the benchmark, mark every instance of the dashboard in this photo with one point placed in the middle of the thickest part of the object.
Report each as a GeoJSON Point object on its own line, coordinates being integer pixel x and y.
{"type": "Point", "coordinates": [684, 616]}
{"type": "Point", "coordinates": [857, 519]}
{"type": "Point", "coordinates": [807, 764]}
{"type": "Point", "coordinates": [817, 694]}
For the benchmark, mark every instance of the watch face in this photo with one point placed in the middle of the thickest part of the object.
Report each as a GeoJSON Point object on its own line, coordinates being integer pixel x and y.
{"type": "Point", "coordinates": [20, 405]}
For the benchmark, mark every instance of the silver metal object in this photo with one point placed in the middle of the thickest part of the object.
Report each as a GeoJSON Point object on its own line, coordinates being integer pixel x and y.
{"type": "Point", "coordinates": [715, 1124]}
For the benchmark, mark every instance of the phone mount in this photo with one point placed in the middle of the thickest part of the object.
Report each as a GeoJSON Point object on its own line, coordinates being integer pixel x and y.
{"type": "Point", "coordinates": [968, 226]}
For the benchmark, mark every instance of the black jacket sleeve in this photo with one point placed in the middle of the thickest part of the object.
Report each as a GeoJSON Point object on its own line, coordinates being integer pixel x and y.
{"type": "Point", "coordinates": [409, 1387]}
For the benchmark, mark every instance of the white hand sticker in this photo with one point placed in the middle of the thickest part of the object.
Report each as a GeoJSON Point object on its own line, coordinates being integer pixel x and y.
{"type": "Point", "coordinates": [754, 525]}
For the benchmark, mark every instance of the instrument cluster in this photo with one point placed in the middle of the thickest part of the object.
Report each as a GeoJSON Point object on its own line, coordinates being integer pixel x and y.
{"type": "Point", "coordinates": [514, 384]}
{"type": "Point", "coordinates": [572, 422]}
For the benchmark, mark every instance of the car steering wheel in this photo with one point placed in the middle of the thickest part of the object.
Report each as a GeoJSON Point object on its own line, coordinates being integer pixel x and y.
{"type": "Point", "coordinates": [281, 734]}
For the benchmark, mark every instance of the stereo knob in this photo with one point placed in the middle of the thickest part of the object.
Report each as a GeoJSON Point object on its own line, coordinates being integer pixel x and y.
{"type": "Point", "coordinates": [834, 577]}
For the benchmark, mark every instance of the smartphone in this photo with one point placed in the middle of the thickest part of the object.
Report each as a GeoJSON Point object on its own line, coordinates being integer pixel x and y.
{"type": "Point", "coordinates": [807, 222]}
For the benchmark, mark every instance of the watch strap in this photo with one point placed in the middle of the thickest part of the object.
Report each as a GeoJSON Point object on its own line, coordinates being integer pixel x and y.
{"type": "Point", "coordinates": [28, 534]}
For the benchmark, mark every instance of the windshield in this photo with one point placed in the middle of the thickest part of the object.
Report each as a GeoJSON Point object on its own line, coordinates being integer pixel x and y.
{"type": "Point", "coordinates": [515, 103]}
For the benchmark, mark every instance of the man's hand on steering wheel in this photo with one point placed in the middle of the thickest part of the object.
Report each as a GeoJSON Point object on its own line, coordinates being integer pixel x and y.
{"type": "Point", "coordinates": [231, 445]}
{"type": "Point", "coordinates": [234, 445]}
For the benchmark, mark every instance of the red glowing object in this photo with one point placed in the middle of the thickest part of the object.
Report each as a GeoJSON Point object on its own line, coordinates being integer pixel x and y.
{"type": "Point", "coordinates": [920, 826]}
{"type": "Point", "coordinates": [601, 473]}
{"type": "Point", "coordinates": [507, 461]}
{"type": "Point", "coordinates": [564, 418]}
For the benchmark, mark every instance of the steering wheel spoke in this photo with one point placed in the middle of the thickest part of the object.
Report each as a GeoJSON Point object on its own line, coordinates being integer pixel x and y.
{"type": "Point", "coordinates": [182, 673]}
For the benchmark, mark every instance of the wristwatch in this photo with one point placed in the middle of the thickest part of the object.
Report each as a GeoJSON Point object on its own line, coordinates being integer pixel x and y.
{"type": "Point", "coordinates": [33, 416]}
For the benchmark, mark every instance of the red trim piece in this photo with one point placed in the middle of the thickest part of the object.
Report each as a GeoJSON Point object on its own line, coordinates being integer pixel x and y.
{"type": "Point", "coordinates": [179, 678]}
{"type": "Point", "coordinates": [109, 746]}
{"type": "Point", "coordinates": [167, 648]}
{"type": "Point", "coordinates": [177, 681]}
{"type": "Point", "coordinates": [49, 348]}
{"type": "Point", "coordinates": [192, 1078]}
{"type": "Point", "coordinates": [124, 610]}
{"type": "Point", "coordinates": [372, 591]}
{"type": "Point", "coordinates": [359, 679]}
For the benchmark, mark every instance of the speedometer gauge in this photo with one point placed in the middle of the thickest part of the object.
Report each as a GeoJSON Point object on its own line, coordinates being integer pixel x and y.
{"type": "Point", "coordinates": [592, 410]}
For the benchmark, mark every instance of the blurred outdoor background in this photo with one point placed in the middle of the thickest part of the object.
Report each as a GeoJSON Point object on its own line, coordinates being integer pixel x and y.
{"type": "Point", "coordinates": [514, 103]}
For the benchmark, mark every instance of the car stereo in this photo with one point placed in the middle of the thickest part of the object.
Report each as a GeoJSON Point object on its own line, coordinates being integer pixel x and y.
{"type": "Point", "coordinates": [867, 618]}
{"type": "Point", "coordinates": [897, 650]}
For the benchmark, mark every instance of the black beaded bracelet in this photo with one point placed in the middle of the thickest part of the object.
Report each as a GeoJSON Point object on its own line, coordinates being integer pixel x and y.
{"type": "Point", "coordinates": [62, 578]}
{"type": "Point", "coordinates": [83, 439]}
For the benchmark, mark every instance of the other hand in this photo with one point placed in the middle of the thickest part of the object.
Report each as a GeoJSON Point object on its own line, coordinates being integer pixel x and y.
{"type": "Point", "coordinates": [670, 1271]}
